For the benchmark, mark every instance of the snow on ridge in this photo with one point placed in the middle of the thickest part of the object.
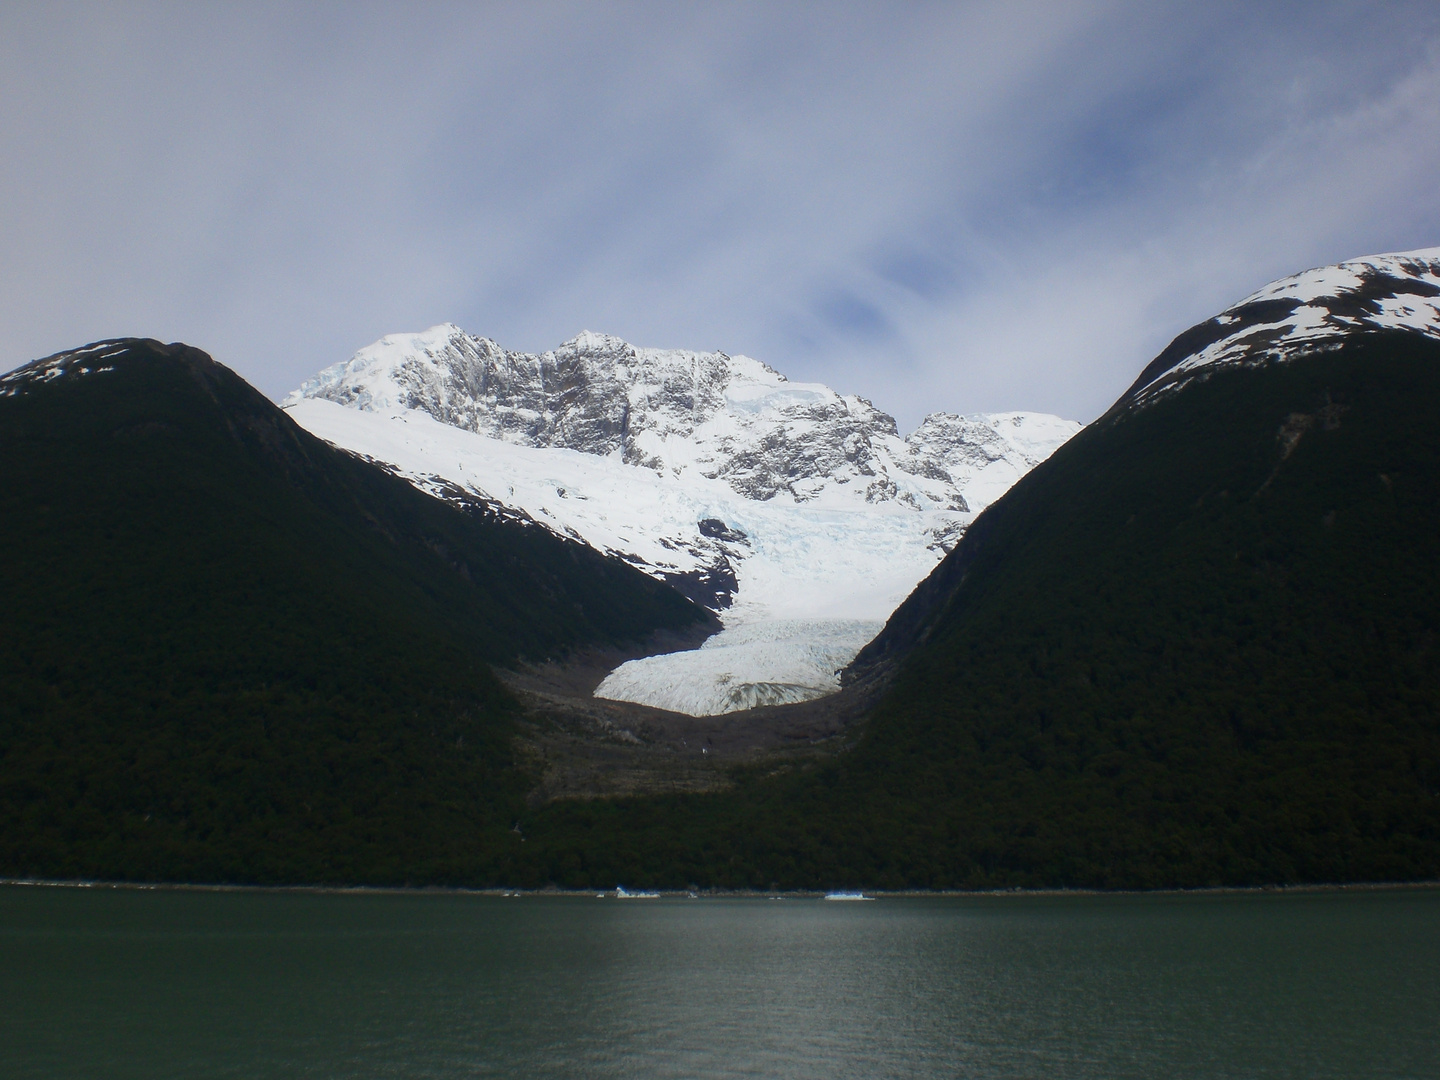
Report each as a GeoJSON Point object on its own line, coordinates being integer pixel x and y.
{"type": "Point", "coordinates": [797, 512]}
{"type": "Point", "coordinates": [1302, 313]}
{"type": "Point", "coordinates": [73, 363]}
{"type": "Point", "coordinates": [1351, 275]}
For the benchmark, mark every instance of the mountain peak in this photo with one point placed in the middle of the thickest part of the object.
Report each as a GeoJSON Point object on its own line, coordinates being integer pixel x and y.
{"type": "Point", "coordinates": [673, 411]}
{"type": "Point", "coordinates": [797, 510]}
{"type": "Point", "coordinates": [588, 341]}
{"type": "Point", "coordinates": [92, 359]}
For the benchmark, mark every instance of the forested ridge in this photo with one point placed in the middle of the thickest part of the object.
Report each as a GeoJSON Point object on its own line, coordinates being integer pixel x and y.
{"type": "Point", "coordinates": [233, 653]}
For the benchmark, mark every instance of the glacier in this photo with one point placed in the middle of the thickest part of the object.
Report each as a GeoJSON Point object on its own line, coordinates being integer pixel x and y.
{"type": "Point", "coordinates": [770, 662]}
{"type": "Point", "coordinates": [800, 515]}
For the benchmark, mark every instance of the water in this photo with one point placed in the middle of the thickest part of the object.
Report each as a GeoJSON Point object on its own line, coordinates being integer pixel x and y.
{"type": "Point", "coordinates": [121, 983]}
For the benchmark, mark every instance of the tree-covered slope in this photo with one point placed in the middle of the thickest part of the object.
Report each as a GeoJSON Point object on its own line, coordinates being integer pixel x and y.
{"type": "Point", "coordinates": [1199, 645]}
{"type": "Point", "coordinates": [229, 651]}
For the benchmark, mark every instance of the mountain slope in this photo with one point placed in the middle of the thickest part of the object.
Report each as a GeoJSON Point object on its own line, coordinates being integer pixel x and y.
{"type": "Point", "coordinates": [232, 652]}
{"type": "Point", "coordinates": [1325, 309]}
{"type": "Point", "coordinates": [764, 499]}
{"type": "Point", "coordinates": [1296, 316]}
{"type": "Point", "coordinates": [1196, 646]}
{"type": "Point", "coordinates": [1181, 659]}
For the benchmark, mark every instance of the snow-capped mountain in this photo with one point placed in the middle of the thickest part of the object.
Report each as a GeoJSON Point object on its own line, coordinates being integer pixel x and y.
{"type": "Point", "coordinates": [91, 360]}
{"type": "Point", "coordinates": [798, 512]}
{"type": "Point", "coordinates": [678, 412]}
{"type": "Point", "coordinates": [1306, 312]}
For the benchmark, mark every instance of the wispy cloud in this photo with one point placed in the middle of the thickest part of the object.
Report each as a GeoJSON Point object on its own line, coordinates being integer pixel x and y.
{"type": "Point", "coordinates": [962, 207]}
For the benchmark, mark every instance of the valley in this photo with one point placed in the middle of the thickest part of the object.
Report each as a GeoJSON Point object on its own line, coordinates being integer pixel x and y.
{"type": "Point", "coordinates": [797, 514]}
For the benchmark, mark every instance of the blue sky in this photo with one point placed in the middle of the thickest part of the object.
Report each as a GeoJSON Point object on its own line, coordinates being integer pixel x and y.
{"type": "Point", "coordinates": [968, 207]}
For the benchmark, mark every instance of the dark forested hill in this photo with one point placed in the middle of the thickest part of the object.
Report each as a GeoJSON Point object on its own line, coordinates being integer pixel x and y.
{"type": "Point", "coordinates": [231, 652]}
{"type": "Point", "coordinates": [1199, 645]}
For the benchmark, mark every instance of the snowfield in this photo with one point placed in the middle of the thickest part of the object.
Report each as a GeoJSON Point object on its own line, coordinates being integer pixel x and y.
{"type": "Point", "coordinates": [799, 515]}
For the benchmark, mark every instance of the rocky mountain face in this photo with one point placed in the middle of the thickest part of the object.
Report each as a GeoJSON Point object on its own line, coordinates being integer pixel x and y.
{"type": "Point", "coordinates": [674, 412]}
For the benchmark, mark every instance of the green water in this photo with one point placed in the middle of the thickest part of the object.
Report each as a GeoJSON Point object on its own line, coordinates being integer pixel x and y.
{"type": "Point", "coordinates": [122, 983]}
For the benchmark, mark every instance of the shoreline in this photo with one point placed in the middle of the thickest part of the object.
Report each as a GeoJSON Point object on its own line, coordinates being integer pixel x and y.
{"type": "Point", "coordinates": [714, 894]}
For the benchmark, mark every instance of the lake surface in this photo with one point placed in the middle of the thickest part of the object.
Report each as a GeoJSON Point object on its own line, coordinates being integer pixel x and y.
{"type": "Point", "coordinates": [125, 983]}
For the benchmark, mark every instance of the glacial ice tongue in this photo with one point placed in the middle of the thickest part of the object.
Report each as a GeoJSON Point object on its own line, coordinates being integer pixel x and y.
{"type": "Point", "coordinates": [767, 663]}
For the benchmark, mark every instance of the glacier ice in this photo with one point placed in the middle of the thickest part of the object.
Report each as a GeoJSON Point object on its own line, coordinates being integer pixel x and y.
{"type": "Point", "coordinates": [772, 662]}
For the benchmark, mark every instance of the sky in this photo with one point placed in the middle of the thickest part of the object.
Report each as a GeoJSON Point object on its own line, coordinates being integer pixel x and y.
{"type": "Point", "coordinates": [964, 206]}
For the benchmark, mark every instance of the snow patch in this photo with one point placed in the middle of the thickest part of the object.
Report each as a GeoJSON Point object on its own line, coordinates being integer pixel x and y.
{"type": "Point", "coordinates": [1305, 313]}
{"type": "Point", "coordinates": [73, 364]}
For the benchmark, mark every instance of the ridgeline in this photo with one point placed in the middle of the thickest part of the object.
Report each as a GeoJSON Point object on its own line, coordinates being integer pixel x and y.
{"type": "Point", "coordinates": [230, 652]}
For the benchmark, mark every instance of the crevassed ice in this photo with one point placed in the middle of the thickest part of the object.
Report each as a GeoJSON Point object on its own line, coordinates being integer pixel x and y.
{"type": "Point", "coordinates": [766, 663]}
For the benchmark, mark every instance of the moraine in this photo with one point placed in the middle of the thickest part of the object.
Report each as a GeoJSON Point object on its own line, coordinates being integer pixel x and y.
{"type": "Point", "coordinates": [799, 514]}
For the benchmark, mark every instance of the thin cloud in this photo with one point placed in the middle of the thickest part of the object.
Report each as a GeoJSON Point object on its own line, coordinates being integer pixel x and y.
{"type": "Point", "coordinates": [962, 207]}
